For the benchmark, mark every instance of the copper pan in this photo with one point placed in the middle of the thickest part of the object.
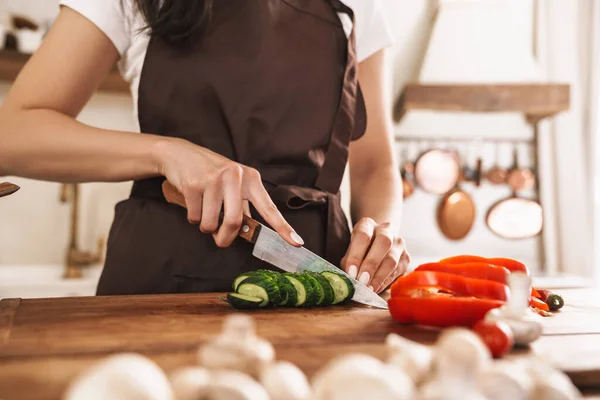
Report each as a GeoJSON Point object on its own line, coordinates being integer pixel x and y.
{"type": "Point", "coordinates": [437, 171]}
{"type": "Point", "coordinates": [456, 213]}
{"type": "Point", "coordinates": [8, 188]}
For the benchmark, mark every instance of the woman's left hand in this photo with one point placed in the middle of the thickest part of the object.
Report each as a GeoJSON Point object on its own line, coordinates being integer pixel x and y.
{"type": "Point", "coordinates": [376, 256]}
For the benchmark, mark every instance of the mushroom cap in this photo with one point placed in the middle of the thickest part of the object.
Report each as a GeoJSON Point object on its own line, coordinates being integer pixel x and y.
{"type": "Point", "coordinates": [234, 385]}
{"type": "Point", "coordinates": [359, 376]}
{"type": "Point", "coordinates": [121, 377]}
{"type": "Point", "coordinates": [285, 381]}
{"type": "Point", "coordinates": [189, 383]}
{"type": "Point", "coordinates": [460, 351]}
{"type": "Point", "coordinates": [505, 380]}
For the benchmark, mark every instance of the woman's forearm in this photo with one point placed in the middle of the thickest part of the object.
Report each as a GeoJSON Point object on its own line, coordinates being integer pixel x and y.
{"type": "Point", "coordinates": [47, 145]}
{"type": "Point", "coordinates": [377, 195]}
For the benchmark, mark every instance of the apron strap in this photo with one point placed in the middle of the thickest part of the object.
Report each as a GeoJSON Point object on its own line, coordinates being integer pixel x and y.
{"type": "Point", "coordinates": [350, 121]}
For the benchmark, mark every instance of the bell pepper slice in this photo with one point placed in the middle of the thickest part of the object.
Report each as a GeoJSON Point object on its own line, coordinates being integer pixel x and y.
{"type": "Point", "coordinates": [478, 270]}
{"type": "Point", "coordinates": [535, 293]}
{"type": "Point", "coordinates": [441, 311]}
{"type": "Point", "coordinates": [510, 264]}
{"type": "Point", "coordinates": [462, 259]}
{"type": "Point", "coordinates": [538, 303]}
{"type": "Point", "coordinates": [413, 284]}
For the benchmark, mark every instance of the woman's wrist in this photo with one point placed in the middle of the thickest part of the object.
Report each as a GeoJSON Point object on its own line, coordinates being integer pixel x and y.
{"type": "Point", "coordinates": [161, 150]}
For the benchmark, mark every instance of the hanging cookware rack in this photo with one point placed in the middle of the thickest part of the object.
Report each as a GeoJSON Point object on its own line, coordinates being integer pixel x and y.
{"type": "Point", "coordinates": [535, 101]}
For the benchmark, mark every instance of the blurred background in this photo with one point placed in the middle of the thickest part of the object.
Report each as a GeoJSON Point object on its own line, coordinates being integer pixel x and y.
{"type": "Point", "coordinates": [536, 151]}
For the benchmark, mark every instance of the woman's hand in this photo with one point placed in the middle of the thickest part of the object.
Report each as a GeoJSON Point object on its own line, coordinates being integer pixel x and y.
{"type": "Point", "coordinates": [376, 256]}
{"type": "Point", "coordinates": [209, 182]}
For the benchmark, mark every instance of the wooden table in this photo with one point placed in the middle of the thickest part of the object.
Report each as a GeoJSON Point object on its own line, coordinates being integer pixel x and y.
{"type": "Point", "coordinates": [44, 343]}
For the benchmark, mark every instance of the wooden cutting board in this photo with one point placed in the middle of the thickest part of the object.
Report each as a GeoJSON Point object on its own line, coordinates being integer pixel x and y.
{"type": "Point", "coordinates": [44, 343]}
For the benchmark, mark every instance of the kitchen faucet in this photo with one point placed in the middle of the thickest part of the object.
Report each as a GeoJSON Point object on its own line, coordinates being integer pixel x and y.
{"type": "Point", "coordinates": [77, 259]}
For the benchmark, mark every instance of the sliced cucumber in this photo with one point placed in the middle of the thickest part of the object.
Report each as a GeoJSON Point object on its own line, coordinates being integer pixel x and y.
{"type": "Point", "coordinates": [261, 272]}
{"type": "Point", "coordinates": [316, 288]}
{"type": "Point", "coordinates": [289, 295]}
{"type": "Point", "coordinates": [343, 289]}
{"type": "Point", "coordinates": [261, 287]}
{"type": "Point", "coordinates": [244, 302]}
{"type": "Point", "coordinates": [240, 279]}
{"type": "Point", "coordinates": [312, 289]}
{"type": "Point", "coordinates": [300, 291]}
{"type": "Point", "coordinates": [327, 295]}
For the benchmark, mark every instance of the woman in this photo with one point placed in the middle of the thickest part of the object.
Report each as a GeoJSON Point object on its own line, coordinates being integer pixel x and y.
{"type": "Point", "coordinates": [246, 106]}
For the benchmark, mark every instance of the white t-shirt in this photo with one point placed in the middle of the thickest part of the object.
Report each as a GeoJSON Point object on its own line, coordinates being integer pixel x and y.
{"type": "Point", "coordinates": [122, 25]}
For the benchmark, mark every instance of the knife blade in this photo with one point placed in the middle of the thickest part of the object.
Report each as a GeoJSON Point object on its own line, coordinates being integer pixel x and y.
{"type": "Point", "coordinates": [270, 247]}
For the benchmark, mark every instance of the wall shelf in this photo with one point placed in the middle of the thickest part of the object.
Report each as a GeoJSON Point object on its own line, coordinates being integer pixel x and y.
{"type": "Point", "coordinates": [11, 63]}
{"type": "Point", "coordinates": [536, 101]}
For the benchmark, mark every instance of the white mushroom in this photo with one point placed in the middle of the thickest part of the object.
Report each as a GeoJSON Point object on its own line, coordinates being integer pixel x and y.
{"type": "Point", "coordinates": [506, 380]}
{"type": "Point", "coordinates": [359, 377]}
{"type": "Point", "coordinates": [413, 358]}
{"type": "Point", "coordinates": [525, 324]}
{"type": "Point", "coordinates": [121, 377]}
{"type": "Point", "coordinates": [285, 381]}
{"type": "Point", "coordinates": [550, 383]}
{"type": "Point", "coordinates": [237, 348]}
{"type": "Point", "coordinates": [459, 355]}
{"type": "Point", "coordinates": [190, 383]}
{"type": "Point", "coordinates": [234, 385]}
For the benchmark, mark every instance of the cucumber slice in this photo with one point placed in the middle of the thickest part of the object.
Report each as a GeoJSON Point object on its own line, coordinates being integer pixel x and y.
{"type": "Point", "coordinates": [343, 289]}
{"type": "Point", "coordinates": [289, 295]}
{"type": "Point", "coordinates": [312, 289]}
{"type": "Point", "coordinates": [244, 302]}
{"type": "Point", "coordinates": [240, 279]}
{"type": "Point", "coordinates": [316, 287]}
{"type": "Point", "coordinates": [261, 287]}
{"type": "Point", "coordinates": [327, 291]}
{"type": "Point", "coordinates": [299, 289]}
{"type": "Point", "coordinates": [261, 272]}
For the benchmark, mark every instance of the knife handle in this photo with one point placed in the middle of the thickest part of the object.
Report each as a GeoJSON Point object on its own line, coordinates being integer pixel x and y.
{"type": "Point", "coordinates": [248, 231]}
{"type": "Point", "coordinates": [7, 188]}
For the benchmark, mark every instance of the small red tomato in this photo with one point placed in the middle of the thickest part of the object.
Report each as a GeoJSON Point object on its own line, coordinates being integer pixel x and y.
{"type": "Point", "coordinates": [497, 336]}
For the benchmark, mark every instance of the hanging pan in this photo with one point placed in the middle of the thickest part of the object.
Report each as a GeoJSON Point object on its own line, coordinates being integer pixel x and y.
{"type": "Point", "coordinates": [516, 217]}
{"type": "Point", "coordinates": [437, 171]}
{"type": "Point", "coordinates": [456, 213]}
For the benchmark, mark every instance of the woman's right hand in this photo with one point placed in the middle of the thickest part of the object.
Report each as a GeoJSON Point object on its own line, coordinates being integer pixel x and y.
{"type": "Point", "coordinates": [210, 182]}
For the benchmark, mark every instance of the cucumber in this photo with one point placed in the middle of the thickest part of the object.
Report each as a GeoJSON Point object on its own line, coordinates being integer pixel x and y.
{"type": "Point", "coordinates": [306, 294]}
{"type": "Point", "coordinates": [244, 302]}
{"type": "Point", "coordinates": [261, 287]}
{"type": "Point", "coordinates": [343, 289]}
{"type": "Point", "coordinates": [240, 279]}
{"type": "Point", "coordinates": [289, 294]}
{"type": "Point", "coordinates": [312, 289]}
{"type": "Point", "coordinates": [327, 295]}
{"type": "Point", "coordinates": [316, 287]}
{"type": "Point", "coordinates": [260, 272]}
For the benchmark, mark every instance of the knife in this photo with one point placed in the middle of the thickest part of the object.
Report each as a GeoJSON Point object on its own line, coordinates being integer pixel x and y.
{"type": "Point", "coordinates": [270, 247]}
{"type": "Point", "coordinates": [7, 188]}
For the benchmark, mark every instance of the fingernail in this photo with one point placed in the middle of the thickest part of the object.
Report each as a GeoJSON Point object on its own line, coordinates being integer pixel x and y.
{"type": "Point", "coordinates": [296, 238]}
{"type": "Point", "coordinates": [365, 277]}
{"type": "Point", "coordinates": [353, 271]}
{"type": "Point", "coordinates": [371, 287]}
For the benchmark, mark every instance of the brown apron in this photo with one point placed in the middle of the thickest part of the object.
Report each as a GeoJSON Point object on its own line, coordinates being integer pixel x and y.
{"type": "Point", "coordinates": [272, 85]}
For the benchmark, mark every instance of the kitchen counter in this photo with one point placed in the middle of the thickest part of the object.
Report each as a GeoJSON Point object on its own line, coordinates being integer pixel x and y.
{"type": "Point", "coordinates": [44, 343]}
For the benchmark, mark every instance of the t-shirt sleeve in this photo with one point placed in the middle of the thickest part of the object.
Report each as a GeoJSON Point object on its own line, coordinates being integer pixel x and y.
{"type": "Point", "coordinates": [109, 16]}
{"type": "Point", "coordinates": [373, 32]}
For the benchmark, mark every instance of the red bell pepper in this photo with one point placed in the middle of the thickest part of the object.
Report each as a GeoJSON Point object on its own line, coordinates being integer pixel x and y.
{"type": "Point", "coordinates": [511, 265]}
{"type": "Point", "coordinates": [535, 293]}
{"type": "Point", "coordinates": [415, 283]}
{"type": "Point", "coordinates": [476, 270]}
{"type": "Point", "coordinates": [441, 311]}
{"type": "Point", "coordinates": [463, 259]}
{"type": "Point", "coordinates": [538, 303]}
